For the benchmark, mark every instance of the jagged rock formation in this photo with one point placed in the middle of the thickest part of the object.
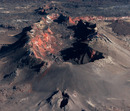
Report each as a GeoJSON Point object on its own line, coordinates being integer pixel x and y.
{"type": "Point", "coordinates": [54, 38]}
{"type": "Point", "coordinates": [65, 63]}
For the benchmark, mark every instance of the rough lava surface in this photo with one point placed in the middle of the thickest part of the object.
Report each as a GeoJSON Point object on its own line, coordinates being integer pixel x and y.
{"type": "Point", "coordinates": [66, 63]}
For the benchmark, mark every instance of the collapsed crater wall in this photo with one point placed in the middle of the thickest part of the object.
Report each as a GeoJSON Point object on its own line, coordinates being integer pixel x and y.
{"type": "Point", "coordinates": [57, 38]}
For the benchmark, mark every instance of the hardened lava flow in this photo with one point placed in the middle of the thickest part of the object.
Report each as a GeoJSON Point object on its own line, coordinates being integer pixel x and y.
{"type": "Point", "coordinates": [60, 38]}
{"type": "Point", "coordinates": [66, 61]}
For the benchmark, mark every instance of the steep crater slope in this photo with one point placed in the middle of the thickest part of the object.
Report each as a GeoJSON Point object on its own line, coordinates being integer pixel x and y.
{"type": "Point", "coordinates": [57, 38]}
{"type": "Point", "coordinates": [49, 66]}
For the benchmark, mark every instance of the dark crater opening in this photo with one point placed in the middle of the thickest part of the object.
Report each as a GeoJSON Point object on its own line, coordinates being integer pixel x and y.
{"type": "Point", "coordinates": [80, 52]}
{"type": "Point", "coordinates": [40, 11]}
{"type": "Point", "coordinates": [65, 100]}
{"type": "Point", "coordinates": [82, 30]}
{"type": "Point", "coordinates": [61, 19]}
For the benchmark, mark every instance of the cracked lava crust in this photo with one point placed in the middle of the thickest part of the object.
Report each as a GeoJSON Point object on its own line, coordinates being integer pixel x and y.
{"type": "Point", "coordinates": [60, 38]}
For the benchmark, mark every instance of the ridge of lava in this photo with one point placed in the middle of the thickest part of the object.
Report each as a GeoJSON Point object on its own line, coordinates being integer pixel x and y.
{"type": "Point", "coordinates": [55, 35]}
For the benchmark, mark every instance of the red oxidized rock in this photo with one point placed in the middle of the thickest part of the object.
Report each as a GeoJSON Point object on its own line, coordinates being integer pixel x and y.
{"type": "Point", "coordinates": [50, 40]}
{"type": "Point", "coordinates": [93, 53]}
{"type": "Point", "coordinates": [44, 43]}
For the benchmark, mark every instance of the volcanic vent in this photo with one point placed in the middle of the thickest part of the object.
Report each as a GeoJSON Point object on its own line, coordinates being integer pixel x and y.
{"type": "Point", "coordinates": [59, 38]}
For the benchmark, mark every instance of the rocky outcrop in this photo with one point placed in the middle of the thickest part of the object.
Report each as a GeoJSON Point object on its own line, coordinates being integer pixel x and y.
{"type": "Point", "coordinates": [59, 38]}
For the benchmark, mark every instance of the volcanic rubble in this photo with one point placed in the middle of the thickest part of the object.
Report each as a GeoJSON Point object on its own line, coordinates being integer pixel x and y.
{"type": "Point", "coordinates": [55, 38]}
{"type": "Point", "coordinates": [47, 66]}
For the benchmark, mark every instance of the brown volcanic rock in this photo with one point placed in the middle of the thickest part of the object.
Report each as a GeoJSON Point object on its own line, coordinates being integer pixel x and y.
{"type": "Point", "coordinates": [120, 27]}
{"type": "Point", "coordinates": [52, 38]}
{"type": "Point", "coordinates": [44, 43]}
{"type": "Point", "coordinates": [101, 85]}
